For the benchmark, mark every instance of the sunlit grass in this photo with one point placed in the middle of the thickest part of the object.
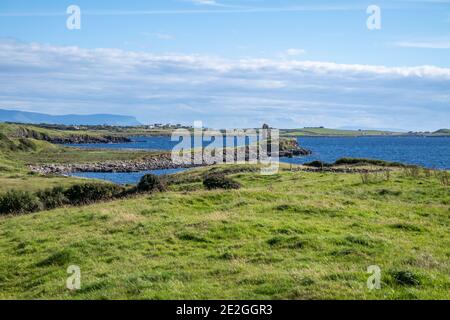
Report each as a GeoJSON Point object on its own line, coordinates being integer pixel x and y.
{"type": "Point", "coordinates": [294, 235]}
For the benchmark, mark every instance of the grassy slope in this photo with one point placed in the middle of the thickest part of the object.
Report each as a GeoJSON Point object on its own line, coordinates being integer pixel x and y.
{"type": "Point", "coordinates": [13, 129]}
{"type": "Point", "coordinates": [74, 155]}
{"type": "Point", "coordinates": [291, 236]}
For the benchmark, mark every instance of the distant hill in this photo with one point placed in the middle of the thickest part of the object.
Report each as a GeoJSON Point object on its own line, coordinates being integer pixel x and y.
{"type": "Point", "coordinates": [69, 119]}
{"type": "Point", "coordinates": [353, 128]}
{"type": "Point", "coordinates": [336, 132]}
{"type": "Point", "coordinates": [325, 132]}
{"type": "Point", "coordinates": [442, 132]}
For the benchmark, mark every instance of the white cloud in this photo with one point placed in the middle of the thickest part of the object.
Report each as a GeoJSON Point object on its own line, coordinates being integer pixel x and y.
{"type": "Point", "coordinates": [221, 92]}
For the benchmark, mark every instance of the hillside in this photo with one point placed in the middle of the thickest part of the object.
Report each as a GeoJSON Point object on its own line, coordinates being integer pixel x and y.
{"type": "Point", "coordinates": [29, 131]}
{"type": "Point", "coordinates": [443, 132]}
{"type": "Point", "coordinates": [70, 119]}
{"type": "Point", "coordinates": [295, 235]}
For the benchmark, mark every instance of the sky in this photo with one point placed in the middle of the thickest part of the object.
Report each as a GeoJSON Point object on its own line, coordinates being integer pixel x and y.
{"type": "Point", "coordinates": [231, 63]}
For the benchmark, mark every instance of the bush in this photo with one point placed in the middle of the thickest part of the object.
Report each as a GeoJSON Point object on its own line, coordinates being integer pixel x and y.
{"type": "Point", "coordinates": [53, 198]}
{"type": "Point", "coordinates": [19, 202]}
{"type": "Point", "coordinates": [405, 278]}
{"type": "Point", "coordinates": [151, 183]}
{"type": "Point", "coordinates": [318, 164]}
{"type": "Point", "coordinates": [219, 181]}
{"type": "Point", "coordinates": [92, 192]}
{"type": "Point", "coordinates": [363, 161]}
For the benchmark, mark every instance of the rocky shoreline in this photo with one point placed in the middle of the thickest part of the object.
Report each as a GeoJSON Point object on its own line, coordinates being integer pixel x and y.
{"type": "Point", "coordinates": [156, 162]}
{"type": "Point", "coordinates": [88, 139]}
{"type": "Point", "coordinates": [159, 162]}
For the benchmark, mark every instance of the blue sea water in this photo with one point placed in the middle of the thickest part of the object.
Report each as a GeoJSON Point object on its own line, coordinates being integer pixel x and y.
{"type": "Point", "coordinates": [124, 177]}
{"type": "Point", "coordinates": [154, 143]}
{"type": "Point", "coordinates": [430, 152]}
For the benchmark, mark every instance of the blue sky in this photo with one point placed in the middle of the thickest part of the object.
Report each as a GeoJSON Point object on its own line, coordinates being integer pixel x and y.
{"type": "Point", "coordinates": [231, 63]}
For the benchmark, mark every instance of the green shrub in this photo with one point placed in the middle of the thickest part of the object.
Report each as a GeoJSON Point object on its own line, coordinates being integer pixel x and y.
{"type": "Point", "coordinates": [92, 192]}
{"type": "Point", "coordinates": [219, 181]}
{"type": "Point", "coordinates": [405, 278]}
{"type": "Point", "coordinates": [363, 161]}
{"type": "Point", "coordinates": [19, 202]}
{"type": "Point", "coordinates": [318, 164]}
{"type": "Point", "coordinates": [151, 183]}
{"type": "Point", "coordinates": [53, 198]}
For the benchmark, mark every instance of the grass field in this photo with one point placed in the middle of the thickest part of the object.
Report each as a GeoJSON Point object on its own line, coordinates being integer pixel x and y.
{"type": "Point", "coordinates": [294, 235]}
{"type": "Point", "coordinates": [17, 130]}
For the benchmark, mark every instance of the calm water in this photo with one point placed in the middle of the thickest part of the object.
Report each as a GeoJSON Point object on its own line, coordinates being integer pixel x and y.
{"type": "Point", "coordinates": [428, 152]}
{"type": "Point", "coordinates": [153, 143]}
{"type": "Point", "coordinates": [124, 177]}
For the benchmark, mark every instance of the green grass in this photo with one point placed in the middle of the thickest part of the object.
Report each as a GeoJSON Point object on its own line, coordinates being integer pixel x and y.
{"type": "Point", "coordinates": [17, 130]}
{"type": "Point", "coordinates": [74, 155]}
{"type": "Point", "coordinates": [35, 183]}
{"type": "Point", "coordinates": [295, 235]}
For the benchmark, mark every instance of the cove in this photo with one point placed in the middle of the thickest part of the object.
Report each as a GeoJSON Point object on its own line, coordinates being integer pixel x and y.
{"type": "Point", "coordinates": [124, 177]}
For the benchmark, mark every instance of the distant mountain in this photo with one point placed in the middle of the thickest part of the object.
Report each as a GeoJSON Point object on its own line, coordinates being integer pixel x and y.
{"type": "Point", "coordinates": [69, 119]}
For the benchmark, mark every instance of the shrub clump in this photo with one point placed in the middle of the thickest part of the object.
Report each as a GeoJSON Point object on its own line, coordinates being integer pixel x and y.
{"type": "Point", "coordinates": [151, 183]}
{"type": "Point", "coordinates": [19, 202]}
{"type": "Point", "coordinates": [53, 198]}
{"type": "Point", "coordinates": [92, 192]}
{"type": "Point", "coordinates": [219, 181]}
{"type": "Point", "coordinates": [318, 164]}
{"type": "Point", "coordinates": [405, 278]}
{"type": "Point", "coordinates": [364, 161]}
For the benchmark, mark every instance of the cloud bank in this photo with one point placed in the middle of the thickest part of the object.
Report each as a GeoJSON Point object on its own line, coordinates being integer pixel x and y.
{"type": "Point", "coordinates": [222, 93]}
